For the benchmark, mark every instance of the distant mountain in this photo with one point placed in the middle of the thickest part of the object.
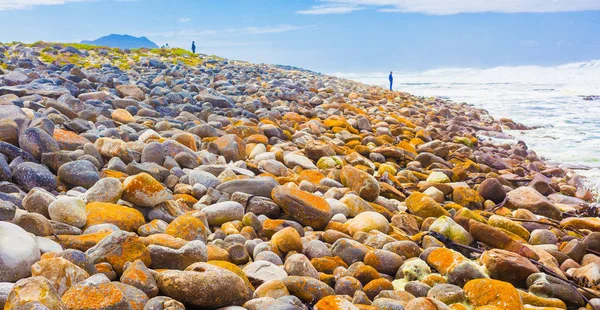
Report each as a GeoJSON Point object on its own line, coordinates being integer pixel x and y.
{"type": "Point", "coordinates": [122, 41]}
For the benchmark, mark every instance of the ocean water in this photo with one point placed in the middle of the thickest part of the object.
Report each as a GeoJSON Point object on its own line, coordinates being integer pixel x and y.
{"type": "Point", "coordinates": [550, 98]}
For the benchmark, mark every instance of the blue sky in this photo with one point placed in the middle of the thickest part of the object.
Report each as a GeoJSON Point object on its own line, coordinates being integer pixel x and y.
{"type": "Point", "coordinates": [331, 35]}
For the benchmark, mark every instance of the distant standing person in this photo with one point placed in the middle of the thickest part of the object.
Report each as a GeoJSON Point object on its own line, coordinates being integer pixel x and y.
{"type": "Point", "coordinates": [391, 80]}
{"type": "Point", "coordinates": [193, 47]}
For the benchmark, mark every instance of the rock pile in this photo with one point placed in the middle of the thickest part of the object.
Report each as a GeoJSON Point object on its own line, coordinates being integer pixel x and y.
{"type": "Point", "coordinates": [157, 179]}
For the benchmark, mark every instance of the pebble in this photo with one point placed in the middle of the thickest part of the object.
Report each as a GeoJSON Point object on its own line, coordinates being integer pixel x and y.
{"type": "Point", "coordinates": [260, 271]}
{"type": "Point", "coordinates": [19, 252]}
{"type": "Point", "coordinates": [30, 175]}
{"type": "Point", "coordinates": [60, 272]}
{"type": "Point", "coordinates": [107, 190]}
{"type": "Point", "coordinates": [163, 257]}
{"type": "Point", "coordinates": [7, 211]}
{"type": "Point", "coordinates": [96, 291]}
{"type": "Point", "coordinates": [79, 173]}
{"type": "Point", "coordinates": [144, 191]}
{"type": "Point", "coordinates": [68, 210]}
{"type": "Point", "coordinates": [204, 285]}
{"type": "Point", "coordinates": [35, 141]}
{"type": "Point", "coordinates": [35, 292]}
{"type": "Point", "coordinates": [223, 212]}
{"type": "Point", "coordinates": [306, 208]}
{"type": "Point", "coordinates": [37, 200]}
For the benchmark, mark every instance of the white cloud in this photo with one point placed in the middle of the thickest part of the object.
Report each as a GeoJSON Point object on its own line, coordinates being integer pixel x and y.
{"type": "Point", "coordinates": [26, 4]}
{"type": "Point", "coordinates": [448, 7]}
{"type": "Point", "coordinates": [184, 19]}
{"type": "Point", "coordinates": [192, 32]}
{"type": "Point", "coordinates": [215, 40]}
{"type": "Point", "coordinates": [330, 9]}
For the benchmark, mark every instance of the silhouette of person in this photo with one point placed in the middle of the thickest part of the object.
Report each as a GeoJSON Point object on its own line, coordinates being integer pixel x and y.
{"type": "Point", "coordinates": [391, 80]}
{"type": "Point", "coordinates": [193, 47]}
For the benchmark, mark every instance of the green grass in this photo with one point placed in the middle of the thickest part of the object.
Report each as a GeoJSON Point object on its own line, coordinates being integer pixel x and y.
{"type": "Point", "coordinates": [116, 56]}
{"type": "Point", "coordinates": [47, 58]}
{"type": "Point", "coordinates": [85, 47]}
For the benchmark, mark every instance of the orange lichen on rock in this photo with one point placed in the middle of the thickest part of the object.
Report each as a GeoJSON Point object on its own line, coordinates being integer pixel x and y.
{"type": "Point", "coordinates": [96, 296]}
{"type": "Point", "coordinates": [68, 139]}
{"type": "Point", "coordinates": [444, 260]}
{"type": "Point", "coordinates": [130, 250]}
{"type": "Point", "coordinates": [144, 191]}
{"type": "Point", "coordinates": [125, 218]}
{"type": "Point", "coordinates": [489, 292]}
{"type": "Point", "coordinates": [304, 207]}
{"type": "Point", "coordinates": [187, 227]}
{"type": "Point", "coordinates": [165, 240]}
{"type": "Point", "coordinates": [328, 264]}
{"type": "Point", "coordinates": [80, 242]}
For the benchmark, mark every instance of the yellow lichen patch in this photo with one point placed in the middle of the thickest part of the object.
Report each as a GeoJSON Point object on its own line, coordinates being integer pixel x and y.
{"type": "Point", "coordinates": [424, 206]}
{"type": "Point", "coordinates": [352, 108]}
{"type": "Point", "coordinates": [404, 121]}
{"type": "Point", "coordinates": [114, 174]}
{"type": "Point", "coordinates": [467, 197]}
{"type": "Point", "coordinates": [464, 212]}
{"type": "Point", "coordinates": [416, 141]}
{"type": "Point", "coordinates": [312, 176]}
{"type": "Point", "coordinates": [533, 300]}
{"type": "Point", "coordinates": [591, 223]}
{"type": "Point", "coordinates": [511, 226]}
{"type": "Point", "coordinates": [217, 253]}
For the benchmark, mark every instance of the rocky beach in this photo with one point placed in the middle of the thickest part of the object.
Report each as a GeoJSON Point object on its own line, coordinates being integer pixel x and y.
{"type": "Point", "coordinates": [156, 179]}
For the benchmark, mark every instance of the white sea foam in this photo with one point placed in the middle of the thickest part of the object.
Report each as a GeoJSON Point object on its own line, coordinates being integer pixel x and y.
{"type": "Point", "coordinates": [550, 97]}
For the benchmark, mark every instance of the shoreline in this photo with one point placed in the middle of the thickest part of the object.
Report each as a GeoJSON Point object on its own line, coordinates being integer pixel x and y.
{"type": "Point", "coordinates": [558, 98]}
{"type": "Point", "coordinates": [148, 172]}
